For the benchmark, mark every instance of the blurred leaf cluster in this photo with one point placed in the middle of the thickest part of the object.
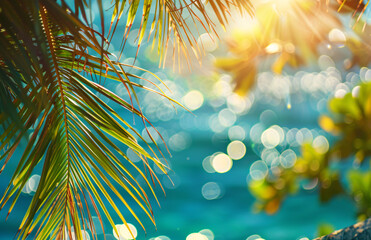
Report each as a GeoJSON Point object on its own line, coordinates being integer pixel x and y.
{"type": "Point", "coordinates": [288, 33]}
{"type": "Point", "coordinates": [325, 229]}
{"type": "Point", "coordinates": [316, 168]}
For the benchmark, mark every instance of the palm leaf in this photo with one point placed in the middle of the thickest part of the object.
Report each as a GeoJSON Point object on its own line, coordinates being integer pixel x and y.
{"type": "Point", "coordinates": [170, 21]}
{"type": "Point", "coordinates": [74, 159]}
{"type": "Point", "coordinates": [49, 60]}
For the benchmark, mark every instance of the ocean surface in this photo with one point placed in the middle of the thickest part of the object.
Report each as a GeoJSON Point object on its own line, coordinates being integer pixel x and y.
{"type": "Point", "coordinates": [227, 211]}
{"type": "Point", "coordinates": [218, 203]}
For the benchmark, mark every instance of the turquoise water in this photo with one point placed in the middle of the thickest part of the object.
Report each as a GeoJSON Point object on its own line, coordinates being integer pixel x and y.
{"type": "Point", "coordinates": [184, 209]}
{"type": "Point", "coordinates": [192, 138]}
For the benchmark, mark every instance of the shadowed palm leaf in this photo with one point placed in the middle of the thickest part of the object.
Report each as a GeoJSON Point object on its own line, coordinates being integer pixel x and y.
{"type": "Point", "coordinates": [49, 58]}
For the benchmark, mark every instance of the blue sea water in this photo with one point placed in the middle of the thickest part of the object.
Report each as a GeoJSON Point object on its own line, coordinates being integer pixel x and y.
{"type": "Point", "coordinates": [230, 216]}
{"type": "Point", "coordinates": [184, 209]}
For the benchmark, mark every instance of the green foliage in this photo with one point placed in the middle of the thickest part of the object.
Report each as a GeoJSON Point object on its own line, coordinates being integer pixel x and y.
{"type": "Point", "coordinates": [311, 169]}
{"type": "Point", "coordinates": [360, 185]}
{"type": "Point", "coordinates": [350, 119]}
{"type": "Point", "coordinates": [325, 229]}
{"type": "Point", "coordinates": [358, 46]}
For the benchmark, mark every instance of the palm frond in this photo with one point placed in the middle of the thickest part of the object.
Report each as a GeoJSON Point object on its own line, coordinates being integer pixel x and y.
{"type": "Point", "coordinates": [46, 46]}
{"type": "Point", "coordinates": [49, 62]}
{"type": "Point", "coordinates": [175, 20]}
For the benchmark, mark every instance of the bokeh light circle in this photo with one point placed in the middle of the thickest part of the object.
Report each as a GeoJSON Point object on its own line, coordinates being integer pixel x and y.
{"type": "Point", "coordinates": [258, 170]}
{"type": "Point", "coordinates": [211, 191]}
{"type": "Point", "coordinates": [270, 138]}
{"type": "Point", "coordinates": [124, 232]}
{"type": "Point", "coordinates": [288, 158]}
{"type": "Point", "coordinates": [193, 100]}
{"type": "Point", "coordinates": [321, 145]}
{"type": "Point", "coordinates": [236, 150]}
{"type": "Point", "coordinates": [222, 163]}
{"type": "Point", "coordinates": [196, 236]}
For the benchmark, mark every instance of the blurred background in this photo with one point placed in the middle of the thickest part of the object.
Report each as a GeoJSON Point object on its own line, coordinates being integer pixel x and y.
{"type": "Point", "coordinates": [275, 144]}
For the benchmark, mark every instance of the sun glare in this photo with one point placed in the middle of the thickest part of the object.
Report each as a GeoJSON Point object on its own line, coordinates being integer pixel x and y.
{"type": "Point", "coordinates": [290, 28]}
{"type": "Point", "coordinates": [273, 48]}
